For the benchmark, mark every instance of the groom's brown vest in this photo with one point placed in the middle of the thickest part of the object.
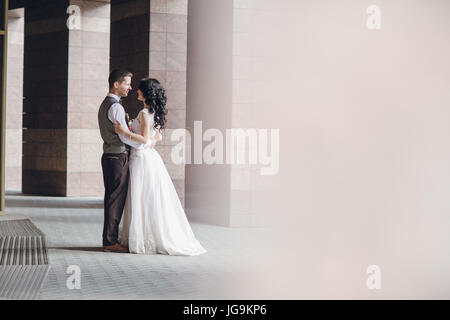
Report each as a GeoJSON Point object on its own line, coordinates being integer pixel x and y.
{"type": "Point", "coordinates": [111, 141]}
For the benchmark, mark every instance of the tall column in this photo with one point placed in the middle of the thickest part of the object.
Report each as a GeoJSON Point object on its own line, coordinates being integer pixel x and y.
{"type": "Point", "coordinates": [65, 80]}
{"type": "Point", "coordinates": [252, 109]}
{"type": "Point", "coordinates": [210, 101]}
{"type": "Point", "coordinates": [3, 48]}
{"type": "Point", "coordinates": [228, 89]}
{"type": "Point", "coordinates": [87, 87]}
{"type": "Point", "coordinates": [14, 100]}
{"type": "Point", "coordinates": [149, 37]}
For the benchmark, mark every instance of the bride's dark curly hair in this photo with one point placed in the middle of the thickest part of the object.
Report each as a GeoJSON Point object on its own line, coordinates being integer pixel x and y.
{"type": "Point", "coordinates": [155, 98]}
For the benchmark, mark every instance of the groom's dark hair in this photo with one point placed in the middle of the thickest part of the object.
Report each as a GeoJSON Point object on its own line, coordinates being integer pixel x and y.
{"type": "Point", "coordinates": [118, 75]}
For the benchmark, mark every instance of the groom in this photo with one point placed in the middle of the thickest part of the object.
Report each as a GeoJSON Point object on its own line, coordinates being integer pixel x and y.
{"type": "Point", "coordinates": [115, 157]}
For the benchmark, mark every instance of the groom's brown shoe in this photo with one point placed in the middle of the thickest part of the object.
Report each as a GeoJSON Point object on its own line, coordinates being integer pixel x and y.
{"type": "Point", "coordinates": [115, 248]}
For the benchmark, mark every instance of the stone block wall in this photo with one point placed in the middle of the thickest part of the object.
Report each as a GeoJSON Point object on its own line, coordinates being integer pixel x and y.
{"type": "Point", "coordinates": [45, 98]}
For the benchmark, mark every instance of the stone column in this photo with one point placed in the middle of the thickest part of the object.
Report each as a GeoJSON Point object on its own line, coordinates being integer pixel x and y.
{"type": "Point", "coordinates": [251, 108]}
{"type": "Point", "coordinates": [227, 89]}
{"type": "Point", "coordinates": [87, 87]}
{"type": "Point", "coordinates": [149, 37]}
{"type": "Point", "coordinates": [65, 80]}
{"type": "Point", "coordinates": [14, 100]}
{"type": "Point", "coordinates": [209, 100]}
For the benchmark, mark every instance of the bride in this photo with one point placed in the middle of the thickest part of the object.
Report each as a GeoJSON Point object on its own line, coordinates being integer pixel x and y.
{"type": "Point", "coordinates": [154, 220]}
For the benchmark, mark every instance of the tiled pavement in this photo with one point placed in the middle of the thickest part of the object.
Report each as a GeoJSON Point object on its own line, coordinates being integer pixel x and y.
{"type": "Point", "coordinates": [73, 229]}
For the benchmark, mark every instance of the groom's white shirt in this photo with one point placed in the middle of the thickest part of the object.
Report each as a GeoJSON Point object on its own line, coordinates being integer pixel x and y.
{"type": "Point", "coordinates": [116, 113]}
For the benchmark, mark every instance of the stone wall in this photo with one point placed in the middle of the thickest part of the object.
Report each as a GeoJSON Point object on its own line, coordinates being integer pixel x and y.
{"type": "Point", "coordinates": [44, 166]}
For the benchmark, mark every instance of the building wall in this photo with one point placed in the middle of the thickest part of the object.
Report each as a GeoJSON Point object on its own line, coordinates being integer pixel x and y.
{"type": "Point", "coordinates": [44, 166]}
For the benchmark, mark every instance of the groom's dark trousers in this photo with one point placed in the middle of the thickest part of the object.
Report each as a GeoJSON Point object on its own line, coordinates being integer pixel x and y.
{"type": "Point", "coordinates": [115, 178]}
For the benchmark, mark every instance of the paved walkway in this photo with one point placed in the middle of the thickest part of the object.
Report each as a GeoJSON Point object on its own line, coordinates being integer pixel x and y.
{"type": "Point", "coordinates": [73, 228]}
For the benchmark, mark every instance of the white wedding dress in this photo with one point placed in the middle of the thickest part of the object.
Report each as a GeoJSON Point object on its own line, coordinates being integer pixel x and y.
{"type": "Point", "coordinates": [154, 220]}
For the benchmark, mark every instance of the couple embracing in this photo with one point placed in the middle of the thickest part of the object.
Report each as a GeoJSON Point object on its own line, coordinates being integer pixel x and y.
{"type": "Point", "coordinates": [137, 184]}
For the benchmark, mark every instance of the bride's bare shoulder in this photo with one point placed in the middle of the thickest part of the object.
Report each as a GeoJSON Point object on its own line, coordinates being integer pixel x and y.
{"type": "Point", "coordinates": [144, 115]}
